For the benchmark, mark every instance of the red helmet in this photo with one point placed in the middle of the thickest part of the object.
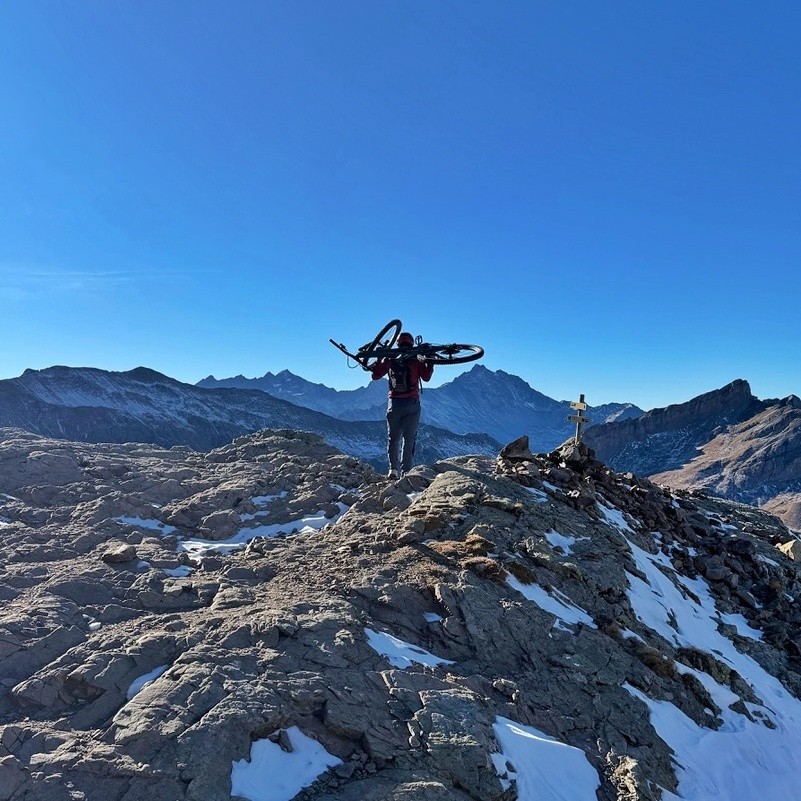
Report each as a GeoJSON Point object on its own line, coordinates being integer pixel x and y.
{"type": "Point", "coordinates": [405, 340]}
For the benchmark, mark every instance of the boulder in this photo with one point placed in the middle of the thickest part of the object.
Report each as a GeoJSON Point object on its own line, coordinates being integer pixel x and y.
{"type": "Point", "coordinates": [792, 549]}
{"type": "Point", "coordinates": [119, 554]}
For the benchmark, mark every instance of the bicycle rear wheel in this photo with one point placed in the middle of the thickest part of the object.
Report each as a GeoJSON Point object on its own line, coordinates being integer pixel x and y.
{"type": "Point", "coordinates": [393, 328]}
{"type": "Point", "coordinates": [455, 354]}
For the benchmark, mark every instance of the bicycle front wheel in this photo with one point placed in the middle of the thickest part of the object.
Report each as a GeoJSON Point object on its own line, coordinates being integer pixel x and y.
{"type": "Point", "coordinates": [393, 328]}
{"type": "Point", "coordinates": [455, 354]}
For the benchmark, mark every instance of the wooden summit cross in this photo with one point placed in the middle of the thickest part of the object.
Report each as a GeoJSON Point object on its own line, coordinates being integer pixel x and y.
{"type": "Point", "coordinates": [578, 418]}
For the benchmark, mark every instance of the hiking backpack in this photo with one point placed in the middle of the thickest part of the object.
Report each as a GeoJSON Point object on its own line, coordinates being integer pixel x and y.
{"type": "Point", "coordinates": [400, 376]}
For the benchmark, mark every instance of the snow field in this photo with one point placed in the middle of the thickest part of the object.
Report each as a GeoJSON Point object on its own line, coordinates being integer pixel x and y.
{"type": "Point", "coordinates": [744, 759]}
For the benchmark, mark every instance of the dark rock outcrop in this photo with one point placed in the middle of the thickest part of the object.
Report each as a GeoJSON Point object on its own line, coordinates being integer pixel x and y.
{"type": "Point", "coordinates": [664, 439]}
{"type": "Point", "coordinates": [753, 461]}
{"type": "Point", "coordinates": [727, 443]}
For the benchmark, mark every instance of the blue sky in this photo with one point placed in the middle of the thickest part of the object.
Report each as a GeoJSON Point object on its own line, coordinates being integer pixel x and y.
{"type": "Point", "coordinates": [605, 195]}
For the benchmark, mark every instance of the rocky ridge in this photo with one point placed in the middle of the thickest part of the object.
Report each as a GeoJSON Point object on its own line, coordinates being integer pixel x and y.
{"type": "Point", "coordinates": [757, 461]}
{"type": "Point", "coordinates": [664, 439]}
{"type": "Point", "coordinates": [727, 442]}
{"type": "Point", "coordinates": [167, 610]}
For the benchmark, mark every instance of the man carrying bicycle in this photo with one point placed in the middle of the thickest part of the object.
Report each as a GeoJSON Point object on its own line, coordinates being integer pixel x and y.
{"type": "Point", "coordinates": [403, 411]}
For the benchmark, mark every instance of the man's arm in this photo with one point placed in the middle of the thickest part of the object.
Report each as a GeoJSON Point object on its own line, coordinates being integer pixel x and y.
{"type": "Point", "coordinates": [426, 370]}
{"type": "Point", "coordinates": [380, 369]}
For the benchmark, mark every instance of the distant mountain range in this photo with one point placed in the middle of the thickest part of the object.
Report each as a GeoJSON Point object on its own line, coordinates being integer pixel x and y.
{"type": "Point", "coordinates": [141, 405]}
{"type": "Point", "coordinates": [481, 400]}
{"type": "Point", "coordinates": [726, 442]}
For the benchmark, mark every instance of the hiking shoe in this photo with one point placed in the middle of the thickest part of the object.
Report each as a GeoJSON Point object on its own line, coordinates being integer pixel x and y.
{"type": "Point", "coordinates": [392, 474]}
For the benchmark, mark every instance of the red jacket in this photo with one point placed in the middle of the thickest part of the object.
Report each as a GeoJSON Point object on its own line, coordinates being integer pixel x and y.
{"type": "Point", "coordinates": [417, 371]}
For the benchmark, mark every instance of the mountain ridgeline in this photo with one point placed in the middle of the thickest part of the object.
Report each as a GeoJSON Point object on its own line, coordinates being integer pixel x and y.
{"type": "Point", "coordinates": [726, 442]}
{"type": "Point", "coordinates": [665, 439]}
{"type": "Point", "coordinates": [141, 405]}
{"type": "Point", "coordinates": [480, 400]}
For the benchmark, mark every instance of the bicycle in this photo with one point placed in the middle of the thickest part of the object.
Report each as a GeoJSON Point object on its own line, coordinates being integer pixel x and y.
{"type": "Point", "coordinates": [381, 347]}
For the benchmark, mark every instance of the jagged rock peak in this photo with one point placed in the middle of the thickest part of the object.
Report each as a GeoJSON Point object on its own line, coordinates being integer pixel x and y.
{"type": "Point", "coordinates": [737, 387]}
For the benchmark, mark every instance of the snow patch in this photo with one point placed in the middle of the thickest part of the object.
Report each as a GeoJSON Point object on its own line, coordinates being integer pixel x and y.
{"type": "Point", "coordinates": [540, 496]}
{"type": "Point", "coordinates": [264, 500]}
{"type": "Point", "coordinates": [557, 604]}
{"type": "Point", "coordinates": [261, 501]}
{"type": "Point", "coordinates": [741, 624]}
{"type": "Point", "coordinates": [543, 768]}
{"type": "Point", "coordinates": [92, 624]}
{"type": "Point", "coordinates": [306, 525]}
{"type": "Point", "coordinates": [273, 774]}
{"type": "Point", "coordinates": [399, 653]}
{"type": "Point", "coordinates": [745, 758]}
{"type": "Point", "coordinates": [182, 571]}
{"type": "Point", "coordinates": [137, 685]}
{"type": "Point", "coordinates": [147, 523]}
{"type": "Point", "coordinates": [555, 539]}
{"type": "Point", "coordinates": [614, 517]}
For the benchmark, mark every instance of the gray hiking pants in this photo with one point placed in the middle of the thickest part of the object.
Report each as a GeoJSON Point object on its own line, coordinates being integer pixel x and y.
{"type": "Point", "coordinates": [403, 418]}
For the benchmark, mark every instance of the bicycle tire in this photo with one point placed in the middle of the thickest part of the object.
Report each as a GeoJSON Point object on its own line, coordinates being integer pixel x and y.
{"type": "Point", "coordinates": [454, 354]}
{"type": "Point", "coordinates": [365, 350]}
